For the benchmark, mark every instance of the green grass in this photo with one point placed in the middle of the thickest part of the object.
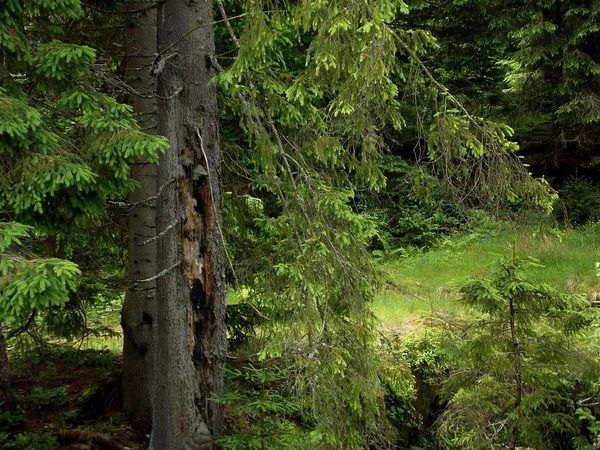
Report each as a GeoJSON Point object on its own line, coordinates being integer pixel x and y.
{"type": "Point", "coordinates": [425, 283]}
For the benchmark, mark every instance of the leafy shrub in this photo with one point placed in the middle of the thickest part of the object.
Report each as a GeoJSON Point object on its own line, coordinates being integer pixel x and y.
{"type": "Point", "coordinates": [414, 209]}
{"type": "Point", "coordinates": [27, 352]}
{"type": "Point", "coordinates": [400, 392]}
{"type": "Point", "coordinates": [31, 441]}
{"type": "Point", "coordinates": [242, 322]}
{"type": "Point", "coordinates": [429, 363]}
{"type": "Point", "coordinates": [9, 419]}
{"type": "Point", "coordinates": [260, 413]}
{"type": "Point", "coordinates": [48, 399]}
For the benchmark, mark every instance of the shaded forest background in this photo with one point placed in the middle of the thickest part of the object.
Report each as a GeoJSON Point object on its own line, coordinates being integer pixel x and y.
{"type": "Point", "coordinates": [411, 200]}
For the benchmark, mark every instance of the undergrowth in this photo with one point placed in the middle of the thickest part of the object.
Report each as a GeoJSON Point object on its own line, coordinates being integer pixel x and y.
{"type": "Point", "coordinates": [421, 284]}
{"type": "Point", "coordinates": [65, 397]}
{"type": "Point", "coordinates": [56, 384]}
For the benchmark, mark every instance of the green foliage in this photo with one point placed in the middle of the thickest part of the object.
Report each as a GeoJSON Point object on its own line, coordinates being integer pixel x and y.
{"type": "Point", "coordinates": [400, 392]}
{"type": "Point", "coordinates": [49, 356]}
{"type": "Point", "coordinates": [315, 86]}
{"type": "Point", "coordinates": [48, 399]}
{"type": "Point", "coordinates": [416, 209]}
{"type": "Point", "coordinates": [12, 233]}
{"type": "Point", "coordinates": [531, 66]}
{"type": "Point", "coordinates": [318, 316]}
{"type": "Point", "coordinates": [521, 366]}
{"type": "Point", "coordinates": [554, 62]}
{"type": "Point", "coordinates": [243, 319]}
{"type": "Point", "coordinates": [30, 284]}
{"type": "Point", "coordinates": [477, 158]}
{"type": "Point", "coordinates": [580, 199]}
{"type": "Point", "coordinates": [467, 58]}
{"type": "Point", "coordinates": [299, 209]}
{"type": "Point", "coordinates": [29, 441]}
{"type": "Point", "coordinates": [261, 412]}
{"type": "Point", "coordinates": [65, 150]}
{"type": "Point", "coordinates": [9, 419]}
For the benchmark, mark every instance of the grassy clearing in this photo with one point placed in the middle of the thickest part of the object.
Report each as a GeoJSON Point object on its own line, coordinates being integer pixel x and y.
{"type": "Point", "coordinates": [425, 283]}
{"type": "Point", "coordinates": [105, 333]}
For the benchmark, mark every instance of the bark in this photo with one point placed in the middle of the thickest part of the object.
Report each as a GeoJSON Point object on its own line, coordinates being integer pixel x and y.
{"type": "Point", "coordinates": [6, 396]}
{"type": "Point", "coordinates": [190, 342]}
{"type": "Point", "coordinates": [139, 306]}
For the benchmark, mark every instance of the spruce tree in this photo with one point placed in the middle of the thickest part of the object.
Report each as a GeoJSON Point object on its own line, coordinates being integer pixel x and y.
{"type": "Point", "coordinates": [519, 378]}
{"type": "Point", "coordinates": [65, 150]}
{"type": "Point", "coordinates": [315, 87]}
{"type": "Point", "coordinates": [554, 69]}
{"type": "Point", "coordinates": [139, 306]}
{"type": "Point", "coordinates": [534, 65]}
{"type": "Point", "coordinates": [190, 333]}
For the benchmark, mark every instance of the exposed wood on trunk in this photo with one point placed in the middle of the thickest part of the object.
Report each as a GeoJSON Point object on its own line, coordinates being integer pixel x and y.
{"type": "Point", "coordinates": [190, 340]}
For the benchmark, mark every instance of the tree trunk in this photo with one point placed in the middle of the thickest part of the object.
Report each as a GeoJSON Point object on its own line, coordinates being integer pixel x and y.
{"type": "Point", "coordinates": [6, 396]}
{"type": "Point", "coordinates": [139, 307]}
{"type": "Point", "coordinates": [190, 340]}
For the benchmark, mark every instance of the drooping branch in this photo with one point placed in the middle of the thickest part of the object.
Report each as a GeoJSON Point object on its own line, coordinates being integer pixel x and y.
{"type": "Point", "coordinates": [234, 38]}
{"type": "Point", "coordinates": [426, 71]}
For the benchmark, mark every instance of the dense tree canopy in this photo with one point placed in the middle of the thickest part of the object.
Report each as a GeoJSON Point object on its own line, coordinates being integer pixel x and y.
{"type": "Point", "coordinates": [349, 130]}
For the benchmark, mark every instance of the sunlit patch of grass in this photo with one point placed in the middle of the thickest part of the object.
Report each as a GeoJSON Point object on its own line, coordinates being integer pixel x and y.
{"type": "Point", "coordinates": [236, 295]}
{"type": "Point", "coordinates": [400, 310]}
{"type": "Point", "coordinates": [104, 331]}
{"type": "Point", "coordinates": [112, 344]}
{"type": "Point", "coordinates": [424, 284]}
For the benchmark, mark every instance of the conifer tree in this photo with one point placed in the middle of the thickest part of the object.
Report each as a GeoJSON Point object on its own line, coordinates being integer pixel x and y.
{"type": "Point", "coordinates": [554, 70]}
{"type": "Point", "coordinates": [65, 150]}
{"type": "Point", "coordinates": [190, 333]}
{"type": "Point", "coordinates": [314, 86]}
{"type": "Point", "coordinates": [534, 65]}
{"type": "Point", "coordinates": [514, 385]}
{"type": "Point", "coordinates": [139, 306]}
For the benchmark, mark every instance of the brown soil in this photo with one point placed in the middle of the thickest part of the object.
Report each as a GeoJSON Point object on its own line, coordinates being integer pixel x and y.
{"type": "Point", "coordinates": [74, 396]}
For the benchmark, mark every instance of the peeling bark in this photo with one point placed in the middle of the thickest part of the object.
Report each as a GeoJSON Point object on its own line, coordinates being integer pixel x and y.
{"type": "Point", "coordinates": [190, 342]}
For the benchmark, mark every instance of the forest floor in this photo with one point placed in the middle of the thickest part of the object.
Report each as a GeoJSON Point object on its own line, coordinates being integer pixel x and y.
{"type": "Point", "coordinates": [69, 397]}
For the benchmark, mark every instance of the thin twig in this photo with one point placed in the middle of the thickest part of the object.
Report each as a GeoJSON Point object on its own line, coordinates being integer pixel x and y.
{"type": "Point", "coordinates": [162, 52]}
{"type": "Point", "coordinates": [162, 273]}
{"type": "Point", "coordinates": [146, 200]}
{"type": "Point", "coordinates": [235, 40]}
{"type": "Point", "coordinates": [22, 328]}
{"type": "Point", "coordinates": [153, 4]}
{"type": "Point", "coordinates": [426, 71]}
{"type": "Point", "coordinates": [161, 234]}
